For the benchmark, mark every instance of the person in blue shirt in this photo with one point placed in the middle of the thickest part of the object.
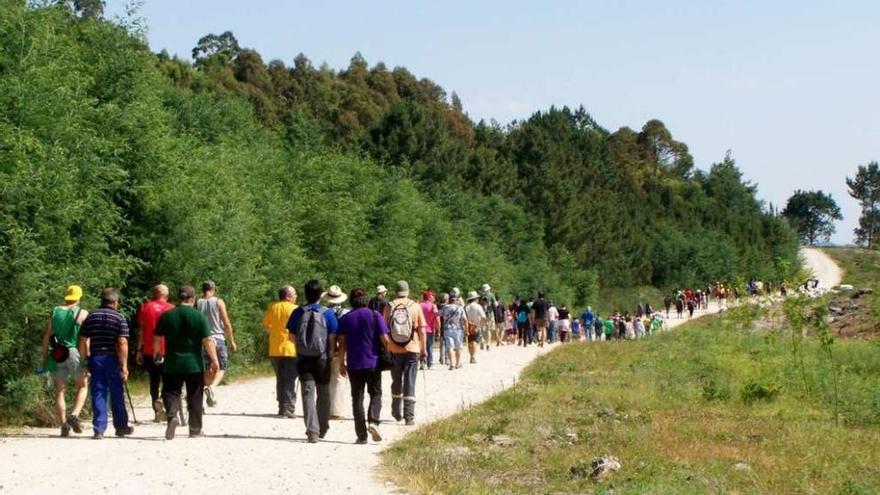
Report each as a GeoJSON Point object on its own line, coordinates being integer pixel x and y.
{"type": "Point", "coordinates": [588, 317]}
{"type": "Point", "coordinates": [313, 329]}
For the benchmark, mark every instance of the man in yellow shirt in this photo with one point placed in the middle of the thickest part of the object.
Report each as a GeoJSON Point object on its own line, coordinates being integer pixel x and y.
{"type": "Point", "coordinates": [282, 350]}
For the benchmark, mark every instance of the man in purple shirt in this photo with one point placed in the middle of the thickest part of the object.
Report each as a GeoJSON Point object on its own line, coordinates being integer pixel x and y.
{"type": "Point", "coordinates": [362, 333]}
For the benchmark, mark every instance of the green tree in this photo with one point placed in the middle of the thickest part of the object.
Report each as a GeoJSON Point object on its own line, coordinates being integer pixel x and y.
{"type": "Point", "coordinates": [812, 214]}
{"type": "Point", "coordinates": [865, 188]}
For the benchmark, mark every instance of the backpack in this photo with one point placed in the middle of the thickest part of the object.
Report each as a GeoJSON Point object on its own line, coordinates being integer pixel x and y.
{"type": "Point", "coordinates": [400, 327]}
{"type": "Point", "coordinates": [311, 337]}
{"type": "Point", "coordinates": [522, 316]}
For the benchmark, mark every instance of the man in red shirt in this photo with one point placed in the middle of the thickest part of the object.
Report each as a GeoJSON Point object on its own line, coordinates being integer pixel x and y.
{"type": "Point", "coordinates": [147, 317]}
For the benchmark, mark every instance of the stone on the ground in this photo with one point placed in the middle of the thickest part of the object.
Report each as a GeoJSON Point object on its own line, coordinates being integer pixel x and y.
{"type": "Point", "coordinates": [603, 467]}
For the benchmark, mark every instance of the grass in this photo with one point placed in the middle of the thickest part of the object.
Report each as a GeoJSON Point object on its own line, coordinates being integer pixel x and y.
{"type": "Point", "coordinates": [626, 299]}
{"type": "Point", "coordinates": [713, 407]}
{"type": "Point", "coordinates": [861, 270]}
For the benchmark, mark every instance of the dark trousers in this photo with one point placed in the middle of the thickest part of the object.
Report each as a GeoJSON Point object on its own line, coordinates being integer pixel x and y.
{"type": "Point", "coordinates": [429, 348]}
{"type": "Point", "coordinates": [372, 380]}
{"type": "Point", "coordinates": [314, 378]}
{"type": "Point", "coordinates": [403, 384]}
{"type": "Point", "coordinates": [285, 382]}
{"type": "Point", "coordinates": [172, 387]}
{"type": "Point", "coordinates": [105, 382]}
{"type": "Point", "coordinates": [522, 333]}
{"type": "Point", "coordinates": [155, 372]}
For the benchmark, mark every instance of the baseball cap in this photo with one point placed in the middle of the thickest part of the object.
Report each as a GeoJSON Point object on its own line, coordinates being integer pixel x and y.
{"type": "Point", "coordinates": [73, 293]}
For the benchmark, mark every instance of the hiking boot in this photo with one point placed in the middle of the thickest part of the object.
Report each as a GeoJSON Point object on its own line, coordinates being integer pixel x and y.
{"type": "Point", "coordinates": [171, 429]}
{"type": "Point", "coordinates": [288, 413]}
{"type": "Point", "coordinates": [209, 397]}
{"type": "Point", "coordinates": [374, 432]}
{"type": "Point", "coordinates": [473, 360]}
{"type": "Point", "coordinates": [75, 425]}
{"type": "Point", "coordinates": [451, 367]}
{"type": "Point", "coordinates": [196, 434]}
{"type": "Point", "coordinates": [65, 430]}
{"type": "Point", "coordinates": [312, 437]}
{"type": "Point", "coordinates": [410, 422]}
{"type": "Point", "coordinates": [361, 441]}
{"type": "Point", "coordinates": [159, 409]}
{"type": "Point", "coordinates": [322, 434]}
{"type": "Point", "coordinates": [124, 431]}
{"type": "Point", "coordinates": [397, 417]}
{"type": "Point", "coordinates": [98, 435]}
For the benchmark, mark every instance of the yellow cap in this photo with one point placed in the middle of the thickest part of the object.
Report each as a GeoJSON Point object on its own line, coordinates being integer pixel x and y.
{"type": "Point", "coordinates": [73, 293]}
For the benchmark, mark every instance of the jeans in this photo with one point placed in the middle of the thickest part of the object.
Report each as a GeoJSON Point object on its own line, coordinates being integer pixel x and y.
{"type": "Point", "coordinates": [552, 328]}
{"type": "Point", "coordinates": [155, 372]}
{"type": "Point", "coordinates": [106, 380]}
{"type": "Point", "coordinates": [285, 382]}
{"type": "Point", "coordinates": [522, 333]}
{"type": "Point", "coordinates": [314, 378]}
{"type": "Point", "coordinates": [443, 349]}
{"type": "Point", "coordinates": [372, 379]}
{"type": "Point", "coordinates": [429, 348]}
{"type": "Point", "coordinates": [403, 384]}
{"type": "Point", "coordinates": [172, 387]}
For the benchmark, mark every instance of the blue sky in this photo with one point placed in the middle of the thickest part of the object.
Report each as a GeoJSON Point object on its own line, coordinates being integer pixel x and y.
{"type": "Point", "coordinates": [791, 87]}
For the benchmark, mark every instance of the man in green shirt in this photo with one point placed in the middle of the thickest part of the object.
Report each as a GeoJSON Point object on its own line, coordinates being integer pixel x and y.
{"type": "Point", "coordinates": [186, 332]}
{"type": "Point", "coordinates": [62, 329]}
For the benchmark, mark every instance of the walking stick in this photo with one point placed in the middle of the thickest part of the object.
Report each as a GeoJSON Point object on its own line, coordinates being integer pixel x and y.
{"type": "Point", "coordinates": [130, 403]}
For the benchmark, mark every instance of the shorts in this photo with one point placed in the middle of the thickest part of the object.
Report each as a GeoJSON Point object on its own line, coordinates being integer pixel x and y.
{"type": "Point", "coordinates": [222, 354]}
{"type": "Point", "coordinates": [72, 367]}
{"type": "Point", "coordinates": [540, 323]}
{"type": "Point", "coordinates": [452, 337]}
{"type": "Point", "coordinates": [475, 338]}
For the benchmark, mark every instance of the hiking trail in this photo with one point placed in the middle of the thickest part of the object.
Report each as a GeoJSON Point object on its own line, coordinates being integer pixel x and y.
{"type": "Point", "coordinates": [247, 449]}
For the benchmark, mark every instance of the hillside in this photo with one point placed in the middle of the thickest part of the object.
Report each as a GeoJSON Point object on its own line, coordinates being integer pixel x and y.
{"type": "Point", "coordinates": [125, 167]}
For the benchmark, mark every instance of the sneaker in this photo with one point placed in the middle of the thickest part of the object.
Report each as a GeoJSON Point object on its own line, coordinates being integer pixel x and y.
{"type": "Point", "coordinates": [458, 366]}
{"type": "Point", "coordinates": [473, 360]}
{"type": "Point", "coordinates": [171, 429]}
{"type": "Point", "coordinates": [98, 435]}
{"type": "Point", "coordinates": [361, 441]}
{"type": "Point", "coordinates": [74, 423]}
{"type": "Point", "coordinates": [288, 413]}
{"type": "Point", "coordinates": [374, 432]}
{"type": "Point", "coordinates": [124, 431]}
{"type": "Point", "coordinates": [421, 366]}
{"type": "Point", "coordinates": [209, 396]}
{"type": "Point", "coordinates": [312, 437]}
{"type": "Point", "coordinates": [397, 417]}
{"type": "Point", "coordinates": [196, 434]}
{"type": "Point", "coordinates": [65, 430]}
{"type": "Point", "coordinates": [451, 367]}
{"type": "Point", "coordinates": [322, 434]}
{"type": "Point", "coordinates": [410, 422]}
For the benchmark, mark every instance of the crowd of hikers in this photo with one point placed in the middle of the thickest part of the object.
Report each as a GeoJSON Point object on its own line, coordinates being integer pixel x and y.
{"type": "Point", "coordinates": [319, 343]}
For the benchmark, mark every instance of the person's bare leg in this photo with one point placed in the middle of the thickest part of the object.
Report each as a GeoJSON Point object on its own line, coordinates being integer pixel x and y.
{"type": "Point", "coordinates": [60, 402]}
{"type": "Point", "coordinates": [82, 392]}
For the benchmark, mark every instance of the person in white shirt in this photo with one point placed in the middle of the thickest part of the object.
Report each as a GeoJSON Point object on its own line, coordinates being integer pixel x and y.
{"type": "Point", "coordinates": [476, 319]}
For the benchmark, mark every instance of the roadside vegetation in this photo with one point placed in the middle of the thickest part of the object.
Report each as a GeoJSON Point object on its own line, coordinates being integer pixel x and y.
{"type": "Point", "coordinates": [754, 400]}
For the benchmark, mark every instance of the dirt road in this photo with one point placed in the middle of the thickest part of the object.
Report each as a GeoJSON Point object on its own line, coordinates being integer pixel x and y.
{"type": "Point", "coordinates": [823, 267]}
{"type": "Point", "coordinates": [247, 449]}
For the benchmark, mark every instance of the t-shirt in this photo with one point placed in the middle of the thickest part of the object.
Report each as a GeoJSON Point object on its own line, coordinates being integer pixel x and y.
{"type": "Point", "coordinates": [418, 321]}
{"type": "Point", "coordinates": [362, 329]}
{"type": "Point", "coordinates": [377, 304]}
{"type": "Point", "coordinates": [184, 328]}
{"type": "Point", "coordinates": [552, 313]}
{"type": "Point", "coordinates": [430, 311]}
{"type": "Point", "coordinates": [588, 318]}
{"type": "Point", "coordinates": [102, 327]}
{"type": "Point", "coordinates": [475, 313]}
{"type": "Point", "coordinates": [275, 319]}
{"type": "Point", "coordinates": [609, 327]}
{"type": "Point", "coordinates": [452, 316]}
{"type": "Point", "coordinates": [329, 319]}
{"type": "Point", "coordinates": [147, 317]}
{"type": "Point", "coordinates": [540, 308]}
{"type": "Point", "coordinates": [564, 314]}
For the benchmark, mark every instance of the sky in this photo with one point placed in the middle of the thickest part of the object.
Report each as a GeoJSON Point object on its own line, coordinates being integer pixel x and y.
{"type": "Point", "coordinates": [792, 88]}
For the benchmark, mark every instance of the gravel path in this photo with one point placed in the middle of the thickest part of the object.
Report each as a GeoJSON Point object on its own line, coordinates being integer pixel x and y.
{"type": "Point", "coordinates": [248, 450]}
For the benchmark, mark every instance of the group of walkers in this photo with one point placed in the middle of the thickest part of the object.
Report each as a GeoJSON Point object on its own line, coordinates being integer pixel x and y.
{"type": "Point", "coordinates": [317, 344]}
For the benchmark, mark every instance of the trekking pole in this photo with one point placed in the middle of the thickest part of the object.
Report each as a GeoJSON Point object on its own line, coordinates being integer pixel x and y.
{"type": "Point", "coordinates": [130, 403]}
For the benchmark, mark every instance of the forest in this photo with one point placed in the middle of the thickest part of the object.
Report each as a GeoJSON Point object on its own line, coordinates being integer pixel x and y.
{"type": "Point", "coordinates": [121, 166]}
